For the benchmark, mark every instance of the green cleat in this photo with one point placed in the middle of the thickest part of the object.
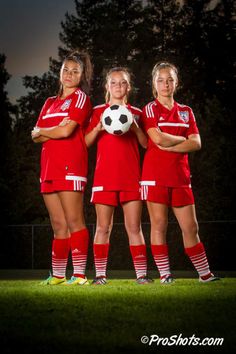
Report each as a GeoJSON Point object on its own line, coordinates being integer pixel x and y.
{"type": "Point", "coordinates": [77, 281]}
{"type": "Point", "coordinates": [53, 281]}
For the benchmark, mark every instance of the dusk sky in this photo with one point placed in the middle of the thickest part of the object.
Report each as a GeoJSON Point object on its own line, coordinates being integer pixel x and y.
{"type": "Point", "coordinates": [29, 35]}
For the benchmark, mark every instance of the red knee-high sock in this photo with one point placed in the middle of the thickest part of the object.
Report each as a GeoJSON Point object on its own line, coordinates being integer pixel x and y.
{"type": "Point", "coordinates": [198, 257]}
{"type": "Point", "coordinates": [100, 258]}
{"type": "Point", "coordinates": [139, 255]}
{"type": "Point", "coordinates": [60, 252]}
{"type": "Point", "coordinates": [161, 258]}
{"type": "Point", "coordinates": [79, 241]}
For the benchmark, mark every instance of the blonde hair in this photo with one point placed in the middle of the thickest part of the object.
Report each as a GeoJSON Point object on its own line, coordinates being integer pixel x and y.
{"type": "Point", "coordinates": [158, 66]}
{"type": "Point", "coordinates": [83, 59]}
{"type": "Point", "coordinates": [108, 74]}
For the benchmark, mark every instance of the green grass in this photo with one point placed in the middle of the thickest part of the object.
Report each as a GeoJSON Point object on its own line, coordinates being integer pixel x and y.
{"type": "Point", "coordinates": [113, 318]}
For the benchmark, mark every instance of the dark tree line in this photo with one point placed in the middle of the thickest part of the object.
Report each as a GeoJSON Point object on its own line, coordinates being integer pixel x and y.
{"type": "Point", "coordinates": [136, 34]}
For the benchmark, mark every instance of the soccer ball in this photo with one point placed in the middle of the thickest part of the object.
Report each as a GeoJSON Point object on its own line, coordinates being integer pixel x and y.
{"type": "Point", "coordinates": [117, 119]}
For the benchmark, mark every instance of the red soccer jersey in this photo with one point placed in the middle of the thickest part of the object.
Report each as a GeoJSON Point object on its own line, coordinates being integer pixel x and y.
{"type": "Point", "coordinates": [166, 168]}
{"type": "Point", "coordinates": [118, 160]}
{"type": "Point", "coordinates": [65, 158]}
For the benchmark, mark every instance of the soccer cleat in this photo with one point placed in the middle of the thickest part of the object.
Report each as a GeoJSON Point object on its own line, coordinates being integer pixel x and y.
{"type": "Point", "coordinates": [77, 281]}
{"type": "Point", "coordinates": [144, 280]}
{"type": "Point", "coordinates": [168, 279]}
{"type": "Point", "coordinates": [99, 281]}
{"type": "Point", "coordinates": [212, 277]}
{"type": "Point", "coordinates": [53, 281]}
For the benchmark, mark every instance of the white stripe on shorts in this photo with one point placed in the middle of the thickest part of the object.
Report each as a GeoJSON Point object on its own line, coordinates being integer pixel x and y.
{"type": "Point", "coordinates": [144, 188]}
{"type": "Point", "coordinates": [77, 181]}
{"type": "Point", "coordinates": [96, 189]}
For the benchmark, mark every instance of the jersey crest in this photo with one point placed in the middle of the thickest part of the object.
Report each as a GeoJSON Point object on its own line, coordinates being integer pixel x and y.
{"type": "Point", "coordinates": [66, 105]}
{"type": "Point", "coordinates": [184, 115]}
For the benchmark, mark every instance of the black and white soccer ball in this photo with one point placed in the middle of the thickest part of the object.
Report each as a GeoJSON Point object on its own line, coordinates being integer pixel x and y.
{"type": "Point", "coordinates": [117, 119]}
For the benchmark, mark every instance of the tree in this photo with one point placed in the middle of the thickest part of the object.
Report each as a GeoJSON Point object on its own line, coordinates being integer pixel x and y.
{"type": "Point", "coordinates": [7, 111]}
{"type": "Point", "coordinates": [198, 38]}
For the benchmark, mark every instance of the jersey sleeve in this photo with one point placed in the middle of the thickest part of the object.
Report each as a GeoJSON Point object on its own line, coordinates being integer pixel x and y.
{"type": "Point", "coordinates": [136, 112]}
{"type": "Point", "coordinates": [81, 109]}
{"type": "Point", "coordinates": [193, 129]}
{"type": "Point", "coordinates": [94, 120]}
{"type": "Point", "coordinates": [148, 119]}
{"type": "Point", "coordinates": [44, 109]}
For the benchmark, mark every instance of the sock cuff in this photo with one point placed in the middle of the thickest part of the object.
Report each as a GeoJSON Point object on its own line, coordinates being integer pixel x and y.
{"type": "Point", "coordinates": [80, 240]}
{"type": "Point", "coordinates": [81, 233]}
{"type": "Point", "coordinates": [101, 250]}
{"type": "Point", "coordinates": [138, 249]}
{"type": "Point", "coordinates": [61, 247]}
{"type": "Point", "coordinates": [196, 249]}
{"type": "Point", "coordinates": [160, 249]}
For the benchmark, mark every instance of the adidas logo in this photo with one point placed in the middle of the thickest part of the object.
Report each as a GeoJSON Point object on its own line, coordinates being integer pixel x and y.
{"type": "Point", "coordinates": [161, 118]}
{"type": "Point", "coordinates": [75, 251]}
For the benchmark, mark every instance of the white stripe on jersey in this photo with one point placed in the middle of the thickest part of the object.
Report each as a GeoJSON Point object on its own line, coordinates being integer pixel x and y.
{"type": "Point", "coordinates": [173, 125]}
{"type": "Point", "coordinates": [149, 110]}
{"type": "Point", "coordinates": [55, 115]}
{"type": "Point", "coordinates": [99, 106]}
{"type": "Point", "coordinates": [97, 189]}
{"type": "Point", "coordinates": [81, 100]}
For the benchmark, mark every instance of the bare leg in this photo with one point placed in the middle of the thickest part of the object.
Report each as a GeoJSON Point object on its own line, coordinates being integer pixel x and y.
{"type": "Point", "coordinates": [159, 221]}
{"type": "Point", "coordinates": [187, 220]}
{"type": "Point", "coordinates": [56, 215]}
{"type": "Point", "coordinates": [132, 218]}
{"type": "Point", "coordinates": [72, 204]}
{"type": "Point", "coordinates": [104, 223]}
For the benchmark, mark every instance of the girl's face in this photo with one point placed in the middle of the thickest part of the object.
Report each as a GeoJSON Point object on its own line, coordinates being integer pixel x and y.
{"type": "Point", "coordinates": [165, 82]}
{"type": "Point", "coordinates": [70, 74]}
{"type": "Point", "coordinates": [118, 85]}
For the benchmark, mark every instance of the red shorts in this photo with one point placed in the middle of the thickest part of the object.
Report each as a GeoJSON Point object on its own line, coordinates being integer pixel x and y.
{"type": "Point", "coordinates": [114, 197]}
{"type": "Point", "coordinates": [169, 196]}
{"type": "Point", "coordinates": [51, 186]}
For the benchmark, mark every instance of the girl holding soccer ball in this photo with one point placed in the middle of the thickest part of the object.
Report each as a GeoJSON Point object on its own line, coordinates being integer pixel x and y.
{"type": "Point", "coordinates": [166, 174]}
{"type": "Point", "coordinates": [64, 162]}
{"type": "Point", "coordinates": [116, 178]}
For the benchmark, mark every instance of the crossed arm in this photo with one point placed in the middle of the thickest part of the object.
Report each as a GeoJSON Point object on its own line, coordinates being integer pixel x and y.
{"type": "Point", "coordinates": [63, 130]}
{"type": "Point", "coordinates": [174, 143]}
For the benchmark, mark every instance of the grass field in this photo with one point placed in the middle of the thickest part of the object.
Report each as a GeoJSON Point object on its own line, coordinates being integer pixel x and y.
{"type": "Point", "coordinates": [113, 318]}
